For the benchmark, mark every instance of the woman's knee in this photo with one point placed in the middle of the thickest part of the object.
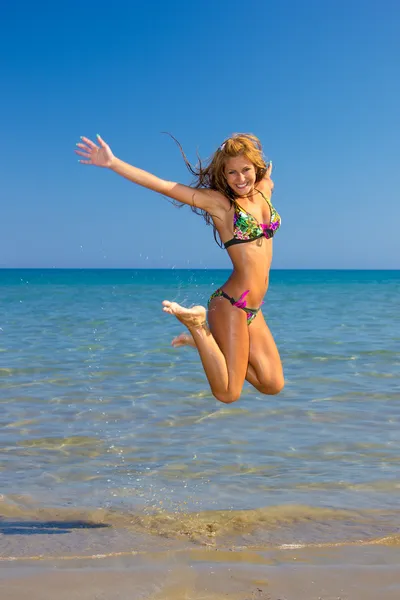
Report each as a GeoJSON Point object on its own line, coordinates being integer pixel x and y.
{"type": "Point", "coordinates": [272, 386]}
{"type": "Point", "coordinates": [227, 397]}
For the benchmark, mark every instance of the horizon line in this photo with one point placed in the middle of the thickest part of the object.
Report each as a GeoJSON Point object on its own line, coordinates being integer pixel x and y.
{"type": "Point", "coordinates": [192, 269]}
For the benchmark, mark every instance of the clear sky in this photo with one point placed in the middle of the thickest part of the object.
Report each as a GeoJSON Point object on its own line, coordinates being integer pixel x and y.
{"type": "Point", "coordinates": [317, 80]}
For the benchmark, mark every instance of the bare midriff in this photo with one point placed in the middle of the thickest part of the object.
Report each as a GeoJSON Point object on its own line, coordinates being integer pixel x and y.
{"type": "Point", "coordinates": [251, 265]}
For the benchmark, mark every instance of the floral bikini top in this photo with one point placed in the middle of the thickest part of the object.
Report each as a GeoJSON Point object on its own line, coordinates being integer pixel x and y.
{"type": "Point", "coordinates": [246, 228]}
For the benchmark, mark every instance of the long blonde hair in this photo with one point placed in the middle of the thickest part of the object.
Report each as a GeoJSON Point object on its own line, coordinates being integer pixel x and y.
{"type": "Point", "coordinates": [211, 174]}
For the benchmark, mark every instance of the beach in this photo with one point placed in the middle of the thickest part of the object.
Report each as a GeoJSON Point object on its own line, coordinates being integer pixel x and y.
{"type": "Point", "coordinates": [312, 574]}
{"type": "Point", "coordinates": [122, 477]}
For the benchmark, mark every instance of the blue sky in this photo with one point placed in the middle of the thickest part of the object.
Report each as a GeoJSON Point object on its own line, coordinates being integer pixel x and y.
{"type": "Point", "coordinates": [317, 81]}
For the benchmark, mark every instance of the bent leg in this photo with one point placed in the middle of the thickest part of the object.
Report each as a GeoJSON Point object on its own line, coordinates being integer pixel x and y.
{"type": "Point", "coordinates": [223, 346]}
{"type": "Point", "coordinates": [265, 371]}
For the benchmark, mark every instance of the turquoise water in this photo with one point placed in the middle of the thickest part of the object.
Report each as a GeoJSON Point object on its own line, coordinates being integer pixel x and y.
{"type": "Point", "coordinates": [99, 412]}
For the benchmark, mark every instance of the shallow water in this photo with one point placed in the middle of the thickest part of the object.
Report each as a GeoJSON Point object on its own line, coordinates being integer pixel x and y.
{"type": "Point", "coordinates": [103, 422]}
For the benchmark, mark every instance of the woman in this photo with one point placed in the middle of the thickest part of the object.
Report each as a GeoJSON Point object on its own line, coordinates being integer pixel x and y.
{"type": "Point", "coordinates": [233, 193]}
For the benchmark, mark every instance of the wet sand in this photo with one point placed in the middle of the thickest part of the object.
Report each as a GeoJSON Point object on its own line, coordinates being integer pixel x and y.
{"type": "Point", "coordinates": [345, 573]}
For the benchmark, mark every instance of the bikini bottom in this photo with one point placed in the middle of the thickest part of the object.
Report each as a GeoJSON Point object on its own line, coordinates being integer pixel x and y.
{"type": "Point", "coordinates": [240, 303]}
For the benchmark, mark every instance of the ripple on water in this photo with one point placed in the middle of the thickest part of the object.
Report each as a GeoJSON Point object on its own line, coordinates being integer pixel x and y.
{"type": "Point", "coordinates": [96, 401]}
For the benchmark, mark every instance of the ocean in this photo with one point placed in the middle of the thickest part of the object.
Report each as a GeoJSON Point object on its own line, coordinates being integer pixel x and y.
{"type": "Point", "coordinates": [111, 442]}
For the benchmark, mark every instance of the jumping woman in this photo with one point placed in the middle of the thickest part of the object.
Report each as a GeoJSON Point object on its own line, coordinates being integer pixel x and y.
{"type": "Point", "coordinates": [233, 192]}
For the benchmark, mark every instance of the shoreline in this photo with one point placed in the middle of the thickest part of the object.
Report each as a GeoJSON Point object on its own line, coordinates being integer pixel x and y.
{"type": "Point", "coordinates": [351, 573]}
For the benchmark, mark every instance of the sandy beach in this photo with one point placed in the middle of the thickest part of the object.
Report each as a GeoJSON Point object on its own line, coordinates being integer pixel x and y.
{"type": "Point", "coordinates": [344, 573]}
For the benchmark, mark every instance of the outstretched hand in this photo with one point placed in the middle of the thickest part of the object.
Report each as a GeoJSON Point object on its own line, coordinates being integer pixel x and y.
{"type": "Point", "coordinates": [100, 156]}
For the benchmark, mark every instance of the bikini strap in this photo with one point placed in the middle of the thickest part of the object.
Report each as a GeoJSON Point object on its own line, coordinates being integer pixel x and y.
{"type": "Point", "coordinates": [240, 302]}
{"type": "Point", "coordinates": [265, 198]}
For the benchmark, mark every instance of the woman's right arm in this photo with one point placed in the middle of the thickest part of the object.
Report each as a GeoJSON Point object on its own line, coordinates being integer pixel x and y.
{"type": "Point", "coordinates": [102, 156]}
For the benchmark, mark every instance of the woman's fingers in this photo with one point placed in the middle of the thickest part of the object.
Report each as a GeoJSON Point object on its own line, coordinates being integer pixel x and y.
{"type": "Point", "coordinates": [101, 141]}
{"type": "Point", "coordinates": [88, 142]}
{"type": "Point", "coordinates": [93, 154]}
{"type": "Point", "coordinates": [86, 150]}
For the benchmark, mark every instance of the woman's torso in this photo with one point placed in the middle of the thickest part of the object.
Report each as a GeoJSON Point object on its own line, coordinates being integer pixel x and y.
{"type": "Point", "coordinates": [247, 226]}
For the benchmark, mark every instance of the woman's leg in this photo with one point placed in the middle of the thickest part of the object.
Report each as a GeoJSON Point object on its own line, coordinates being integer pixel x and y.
{"type": "Point", "coordinates": [223, 346]}
{"type": "Point", "coordinates": [265, 370]}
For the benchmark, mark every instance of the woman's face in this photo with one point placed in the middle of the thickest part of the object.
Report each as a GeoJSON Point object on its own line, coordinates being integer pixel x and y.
{"type": "Point", "coordinates": [240, 175]}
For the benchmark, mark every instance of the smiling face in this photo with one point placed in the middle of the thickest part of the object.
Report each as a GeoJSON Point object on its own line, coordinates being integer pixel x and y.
{"type": "Point", "coordinates": [240, 175]}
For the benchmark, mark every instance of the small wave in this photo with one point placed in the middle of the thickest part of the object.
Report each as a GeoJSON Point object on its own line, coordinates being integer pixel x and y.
{"type": "Point", "coordinates": [192, 525]}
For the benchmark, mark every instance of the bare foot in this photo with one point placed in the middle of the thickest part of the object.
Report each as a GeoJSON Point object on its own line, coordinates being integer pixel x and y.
{"type": "Point", "coordinates": [184, 339]}
{"type": "Point", "coordinates": [193, 318]}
